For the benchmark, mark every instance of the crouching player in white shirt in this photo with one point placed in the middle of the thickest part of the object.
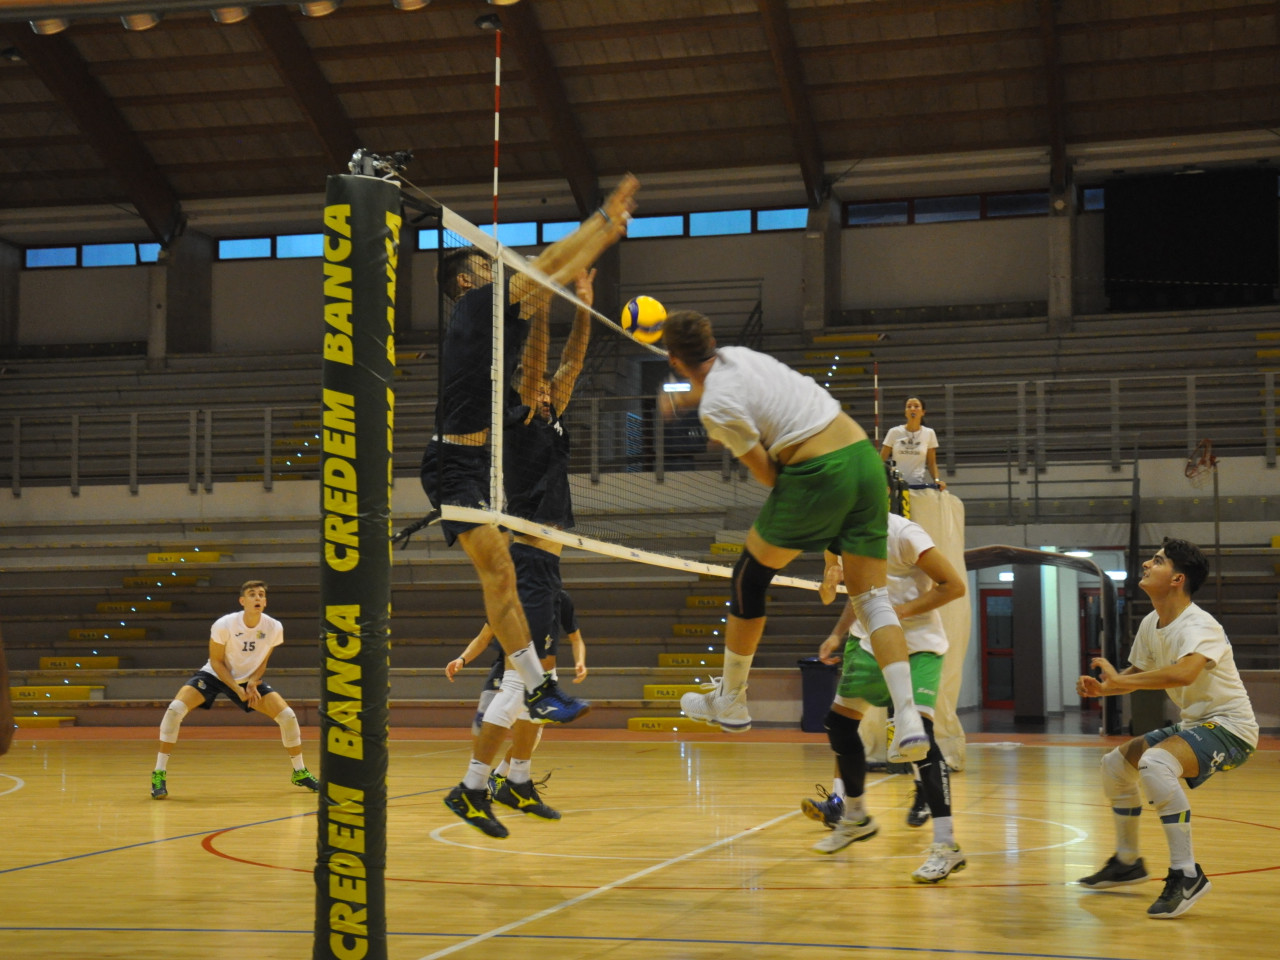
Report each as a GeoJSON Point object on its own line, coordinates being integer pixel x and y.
{"type": "Point", "coordinates": [1181, 649]}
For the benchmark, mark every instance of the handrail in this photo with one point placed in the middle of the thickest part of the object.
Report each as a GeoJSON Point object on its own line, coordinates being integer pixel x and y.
{"type": "Point", "coordinates": [1080, 419]}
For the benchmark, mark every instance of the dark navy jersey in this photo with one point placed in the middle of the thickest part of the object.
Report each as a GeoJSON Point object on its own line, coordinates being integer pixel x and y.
{"type": "Point", "coordinates": [467, 354]}
{"type": "Point", "coordinates": [535, 471]}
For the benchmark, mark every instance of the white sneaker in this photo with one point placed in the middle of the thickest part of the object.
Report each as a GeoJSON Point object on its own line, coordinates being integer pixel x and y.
{"type": "Point", "coordinates": [714, 707]}
{"type": "Point", "coordinates": [846, 832]}
{"type": "Point", "coordinates": [910, 742]}
{"type": "Point", "coordinates": [943, 861]}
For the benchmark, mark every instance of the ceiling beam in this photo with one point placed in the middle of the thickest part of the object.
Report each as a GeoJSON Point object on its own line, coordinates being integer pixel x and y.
{"type": "Point", "coordinates": [1054, 100]}
{"type": "Point", "coordinates": [786, 65]}
{"type": "Point", "coordinates": [520, 23]}
{"type": "Point", "coordinates": [306, 83]}
{"type": "Point", "coordinates": [59, 66]}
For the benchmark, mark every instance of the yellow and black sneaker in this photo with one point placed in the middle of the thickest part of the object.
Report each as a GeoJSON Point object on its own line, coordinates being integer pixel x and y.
{"type": "Point", "coordinates": [472, 806]}
{"type": "Point", "coordinates": [524, 797]}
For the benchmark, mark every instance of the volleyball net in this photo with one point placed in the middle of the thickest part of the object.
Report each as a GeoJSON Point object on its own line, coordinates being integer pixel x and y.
{"type": "Point", "coordinates": [546, 361]}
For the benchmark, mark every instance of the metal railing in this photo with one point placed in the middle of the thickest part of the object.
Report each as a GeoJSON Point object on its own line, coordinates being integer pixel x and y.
{"type": "Point", "coordinates": [1020, 425]}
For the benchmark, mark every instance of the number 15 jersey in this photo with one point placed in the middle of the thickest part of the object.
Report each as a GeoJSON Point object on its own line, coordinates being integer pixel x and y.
{"type": "Point", "coordinates": [246, 647]}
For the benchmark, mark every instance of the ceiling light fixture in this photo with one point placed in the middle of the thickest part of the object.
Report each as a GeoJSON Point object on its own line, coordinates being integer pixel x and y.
{"type": "Point", "coordinates": [503, 3]}
{"type": "Point", "coordinates": [140, 21]}
{"type": "Point", "coordinates": [409, 4]}
{"type": "Point", "coordinates": [49, 26]}
{"type": "Point", "coordinates": [229, 14]}
{"type": "Point", "coordinates": [322, 9]}
{"type": "Point", "coordinates": [488, 21]}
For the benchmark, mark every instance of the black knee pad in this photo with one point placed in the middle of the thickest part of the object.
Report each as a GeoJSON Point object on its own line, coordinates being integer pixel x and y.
{"type": "Point", "coordinates": [751, 580]}
{"type": "Point", "coordinates": [842, 733]}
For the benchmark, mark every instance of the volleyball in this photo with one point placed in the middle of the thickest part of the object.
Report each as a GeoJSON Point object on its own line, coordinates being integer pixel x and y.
{"type": "Point", "coordinates": [642, 318]}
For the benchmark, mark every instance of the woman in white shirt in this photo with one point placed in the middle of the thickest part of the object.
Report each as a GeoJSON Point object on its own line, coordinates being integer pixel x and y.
{"type": "Point", "coordinates": [914, 448]}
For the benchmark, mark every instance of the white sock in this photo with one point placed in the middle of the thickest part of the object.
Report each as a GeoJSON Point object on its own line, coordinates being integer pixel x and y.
{"type": "Point", "coordinates": [943, 831]}
{"type": "Point", "coordinates": [736, 668]}
{"type": "Point", "coordinates": [897, 677]}
{"type": "Point", "coordinates": [477, 775]}
{"type": "Point", "coordinates": [528, 666]}
{"type": "Point", "coordinates": [162, 761]}
{"type": "Point", "coordinates": [520, 771]}
{"type": "Point", "coordinates": [502, 768]}
{"type": "Point", "coordinates": [1177, 833]}
{"type": "Point", "coordinates": [297, 762]}
{"type": "Point", "coordinates": [837, 787]}
{"type": "Point", "coordinates": [855, 809]}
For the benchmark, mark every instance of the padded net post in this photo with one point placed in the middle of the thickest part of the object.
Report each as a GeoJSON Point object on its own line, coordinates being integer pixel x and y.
{"type": "Point", "coordinates": [361, 243]}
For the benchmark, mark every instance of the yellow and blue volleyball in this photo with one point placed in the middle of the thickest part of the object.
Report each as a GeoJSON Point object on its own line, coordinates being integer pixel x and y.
{"type": "Point", "coordinates": [643, 318]}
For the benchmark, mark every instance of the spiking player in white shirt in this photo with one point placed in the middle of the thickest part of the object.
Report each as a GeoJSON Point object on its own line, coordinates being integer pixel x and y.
{"type": "Point", "coordinates": [826, 491]}
{"type": "Point", "coordinates": [239, 646]}
{"type": "Point", "coordinates": [1182, 649]}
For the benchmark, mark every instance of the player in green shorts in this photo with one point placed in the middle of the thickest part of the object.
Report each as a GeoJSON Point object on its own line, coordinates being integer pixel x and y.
{"type": "Point", "coordinates": [827, 488]}
{"type": "Point", "coordinates": [921, 580]}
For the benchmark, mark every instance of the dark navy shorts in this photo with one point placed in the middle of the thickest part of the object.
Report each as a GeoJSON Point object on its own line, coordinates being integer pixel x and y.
{"type": "Point", "coordinates": [457, 475]}
{"type": "Point", "coordinates": [494, 680]}
{"type": "Point", "coordinates": [210, 686]}
{"type": "Point", "coordinates": [538, 583]}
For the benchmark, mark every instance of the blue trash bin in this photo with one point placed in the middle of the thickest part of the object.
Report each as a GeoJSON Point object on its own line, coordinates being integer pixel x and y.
{"type": "Point", "coordinates": [818, 683]}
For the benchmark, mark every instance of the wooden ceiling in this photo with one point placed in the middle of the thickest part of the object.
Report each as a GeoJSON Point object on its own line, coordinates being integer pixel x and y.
{"type": "Point", "coordinates": [810, 97]}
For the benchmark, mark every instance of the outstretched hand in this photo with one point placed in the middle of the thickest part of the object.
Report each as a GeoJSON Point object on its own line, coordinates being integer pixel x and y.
{"type": "Point", "coordinates": [584, 286]}
{"type": "Point", "coordinates": [1088, 686]}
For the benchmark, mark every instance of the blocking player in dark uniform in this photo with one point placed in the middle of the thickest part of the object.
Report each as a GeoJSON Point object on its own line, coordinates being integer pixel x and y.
{"type": "Point", "coordinates": [536, 471]}
{"type": "Point", "coordinates": [455, 465]}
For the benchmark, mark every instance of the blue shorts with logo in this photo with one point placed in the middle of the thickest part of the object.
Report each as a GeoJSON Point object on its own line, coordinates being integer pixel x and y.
{"type": "Point", "coordinates": [1216, 747]}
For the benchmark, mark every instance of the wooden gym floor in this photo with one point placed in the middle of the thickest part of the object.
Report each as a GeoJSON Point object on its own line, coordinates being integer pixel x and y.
{"type": "Point", "coordinates": [689, 848]}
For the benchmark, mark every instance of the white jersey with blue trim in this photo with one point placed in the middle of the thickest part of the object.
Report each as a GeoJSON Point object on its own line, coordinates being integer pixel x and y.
{"type": "Point", "coordinates": [246, 647]}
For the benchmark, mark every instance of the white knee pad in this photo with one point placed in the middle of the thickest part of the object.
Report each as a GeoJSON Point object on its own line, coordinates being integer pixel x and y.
{"type": "Point", "coordinates": [1120, 781]}
{"type": "Point", "coordinates": [508, 706]}
{"type": "Point", "coordinates": [874, 609]}
{"type": "Point", "coordinates": [486, 698]}
{"type": "Point", "coordinates": [290, 732]}
{"type": "Point", "coordinates": [172, 720]}
{"type": "Point", "coordinates": [1161, 772]}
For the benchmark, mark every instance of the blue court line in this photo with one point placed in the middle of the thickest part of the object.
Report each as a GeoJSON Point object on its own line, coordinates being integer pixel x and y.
{"type": "Point", "coordinates": [687, 941]}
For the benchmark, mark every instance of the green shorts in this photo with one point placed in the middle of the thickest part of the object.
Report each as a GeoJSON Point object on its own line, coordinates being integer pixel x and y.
{"type": "Point", "coordinates": [862, 679]}
{"type": "Point", "coordinates": [836, 501]}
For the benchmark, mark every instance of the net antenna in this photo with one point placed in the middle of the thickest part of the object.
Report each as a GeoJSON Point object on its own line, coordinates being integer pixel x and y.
{"type": "Point", "coordinates": [1202, 470]}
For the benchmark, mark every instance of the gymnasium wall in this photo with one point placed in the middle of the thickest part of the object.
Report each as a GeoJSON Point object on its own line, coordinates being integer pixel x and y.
{"type": "Point", "coordinates": [273, 304]}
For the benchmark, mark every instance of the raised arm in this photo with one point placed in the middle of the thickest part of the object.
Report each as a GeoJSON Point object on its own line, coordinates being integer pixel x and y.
{"type": "Point", "coordinates": [574, 354]}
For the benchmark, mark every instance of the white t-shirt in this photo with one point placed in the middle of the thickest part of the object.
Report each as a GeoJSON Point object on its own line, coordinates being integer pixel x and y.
{"type": "Point", "coordinates": [911, 452]}
{"type": "Point", "coordinates": [246, 647]}
{"type": "Point", "coordinates": [1218, 694]}
{"type": "Point", "coordinates": [907, 542]}
{"type": "Point", "coordinates": [750, 397]}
